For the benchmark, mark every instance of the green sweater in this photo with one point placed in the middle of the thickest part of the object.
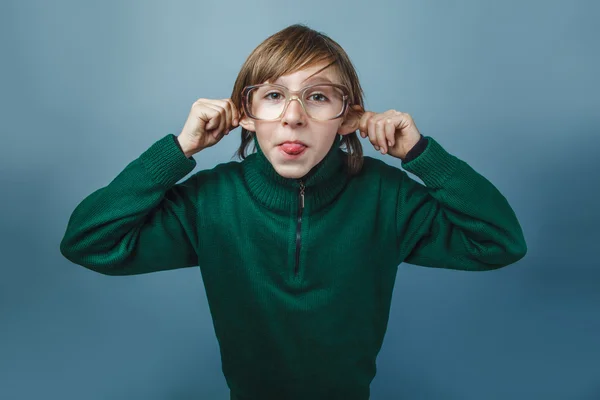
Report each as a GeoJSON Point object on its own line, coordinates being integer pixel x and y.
{"type": "Point", "coordinates": [299, 286]}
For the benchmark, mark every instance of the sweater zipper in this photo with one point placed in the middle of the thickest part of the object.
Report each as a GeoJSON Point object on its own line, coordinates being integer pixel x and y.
{"type": "Point", "coordinates": [299, 226]}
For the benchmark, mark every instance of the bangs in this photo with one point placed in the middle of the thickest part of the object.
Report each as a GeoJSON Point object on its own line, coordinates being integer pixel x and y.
{"type": "Point", "coordinates": [288, 55]}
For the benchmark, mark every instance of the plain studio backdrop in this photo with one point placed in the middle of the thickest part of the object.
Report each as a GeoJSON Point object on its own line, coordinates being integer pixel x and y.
{"type": "Point", "coordinates": [510, 87]}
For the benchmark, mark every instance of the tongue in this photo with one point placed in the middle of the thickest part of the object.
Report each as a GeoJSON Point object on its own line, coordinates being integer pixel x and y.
{"type": "Point", "coordinates": [292, 148]}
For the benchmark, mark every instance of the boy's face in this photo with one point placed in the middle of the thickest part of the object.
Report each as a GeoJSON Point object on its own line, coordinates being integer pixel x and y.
{"type": "Point", "coordinates": [294, 125]}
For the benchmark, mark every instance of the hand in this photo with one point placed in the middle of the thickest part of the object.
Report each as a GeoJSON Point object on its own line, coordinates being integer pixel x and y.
{"type": "Point", "coordinates": [208, 121]}
{"type": "Point", "coordinates": [391, 132]}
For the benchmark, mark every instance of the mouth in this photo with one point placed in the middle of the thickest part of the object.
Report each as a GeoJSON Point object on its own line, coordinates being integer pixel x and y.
{"type": "Point", "coordinates": [292, 148]}
{"type": "Point", "coordinates": [293, 142]}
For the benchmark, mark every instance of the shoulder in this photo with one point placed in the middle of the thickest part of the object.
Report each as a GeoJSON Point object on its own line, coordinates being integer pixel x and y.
{"type": "Point", "coordinates": [221, 175]}
{"type": "Point", "coordinates": [375, 168]}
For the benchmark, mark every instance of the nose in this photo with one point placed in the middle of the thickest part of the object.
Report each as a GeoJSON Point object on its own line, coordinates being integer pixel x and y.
{"type": "Point", "coordinates": [294, 113]}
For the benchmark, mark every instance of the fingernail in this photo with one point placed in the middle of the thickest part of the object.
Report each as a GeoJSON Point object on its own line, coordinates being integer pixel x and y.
{"type": "Point", "coordinates": [377, 148]}
{"type": "Point", "coordinates": [389, 143]}
{"type": "Point", "coordinates": [235, 122]}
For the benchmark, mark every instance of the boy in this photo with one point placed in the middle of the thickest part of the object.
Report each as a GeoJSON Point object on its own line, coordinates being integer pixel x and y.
{"type": "Point", "coordinates": [298, 244]}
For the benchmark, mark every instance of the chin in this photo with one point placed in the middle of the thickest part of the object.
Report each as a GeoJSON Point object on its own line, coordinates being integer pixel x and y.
{"type": "Point", "coordinates": [291, 172]}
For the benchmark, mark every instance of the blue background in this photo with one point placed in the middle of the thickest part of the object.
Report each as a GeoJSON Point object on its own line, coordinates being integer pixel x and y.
{"type": "Point", "coordinates": [510, 87]}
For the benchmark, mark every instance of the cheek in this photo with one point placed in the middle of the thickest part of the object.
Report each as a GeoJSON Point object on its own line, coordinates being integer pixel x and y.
{"type": "Point", "coordinates": [330, 131]}
{"type": "Point", "coordinates": [324, 139]}
{"type": "Point", "coordinates": [326, 130]}
{"type": "Point", "coordinates": [263, 132]}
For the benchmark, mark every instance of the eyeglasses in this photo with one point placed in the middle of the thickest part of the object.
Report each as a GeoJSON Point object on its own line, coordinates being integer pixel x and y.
{"type": "Point", "coordinates": [268, 102]}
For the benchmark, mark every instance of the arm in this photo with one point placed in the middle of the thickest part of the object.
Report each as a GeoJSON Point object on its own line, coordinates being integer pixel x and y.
{"type": "Point", "coordinates": [458, 220]}
{"type": "Point", "coordinates": [142, 221]}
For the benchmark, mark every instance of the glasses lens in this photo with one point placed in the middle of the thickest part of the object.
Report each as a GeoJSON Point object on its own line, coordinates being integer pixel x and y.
{"type": "Point", "coordinates": [321, 102]}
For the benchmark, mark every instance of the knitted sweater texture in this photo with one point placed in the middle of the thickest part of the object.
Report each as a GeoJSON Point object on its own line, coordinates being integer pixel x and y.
{"type": "Point", "coordinates": [298, 273]}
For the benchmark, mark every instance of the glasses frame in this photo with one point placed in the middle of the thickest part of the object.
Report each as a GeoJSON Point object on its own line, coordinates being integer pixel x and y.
{"type": "Point", "coordinates": [293, 95]}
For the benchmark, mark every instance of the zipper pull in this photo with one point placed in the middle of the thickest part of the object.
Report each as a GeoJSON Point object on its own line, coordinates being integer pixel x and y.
{"type": "Point", "coordinates": [301, 194]}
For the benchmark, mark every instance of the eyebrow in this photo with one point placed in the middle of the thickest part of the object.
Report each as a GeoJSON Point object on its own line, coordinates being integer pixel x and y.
{"type": "Point", "coordinates": [311, 79]}
{"type": "Point", "coordinates": [316, 78]}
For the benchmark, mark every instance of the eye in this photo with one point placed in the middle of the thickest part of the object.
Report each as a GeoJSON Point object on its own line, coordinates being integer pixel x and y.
{"type": "Point", "coordinates": [319, 97]}
{"type": "Point", "coordinates": [272, 96]}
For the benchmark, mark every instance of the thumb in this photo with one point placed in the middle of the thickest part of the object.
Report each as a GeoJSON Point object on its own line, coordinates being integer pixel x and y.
{"type": "Point", "coordinates": [352, 121]}
{"type": "Point", "coordinates": [202, 124]}
{"type": "Point", "coordinates": [212, 123]}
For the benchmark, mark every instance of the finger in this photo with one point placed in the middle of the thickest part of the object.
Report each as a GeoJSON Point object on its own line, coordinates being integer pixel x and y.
{"type": "Point", "coordinates": [222, 117]}
{"type": "Point", "coordinates": [390, 132]}
{"type": "Point", "coordinates": [229, 107]}
{"type": "Point", "coordinates": [232, 117]}
{"type": "Point", "coordinates": [235, 115]}
{"type": "Point", "coordinates": [372, 131]}
{"type": "Point", "coordinates": [363, 124]}
{"type": "Point", "coordinates": [227, 120]}
{"type": "Point", "coordinates": [208, 116]}
{"type": "Point", "coordinates": [217, 124]}
{"type": "Point", "coordinates": [380, 134]}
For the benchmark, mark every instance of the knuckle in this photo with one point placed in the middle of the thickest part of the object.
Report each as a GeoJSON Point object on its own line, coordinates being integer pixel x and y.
{"type": "Point", "coordinates": [199, 103]}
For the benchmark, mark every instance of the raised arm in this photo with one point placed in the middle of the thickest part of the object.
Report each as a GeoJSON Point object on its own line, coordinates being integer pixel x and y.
{"type": "Point", "coordinates": [142, 221]}
{"type": "Point", "coordinates": [458, 219]}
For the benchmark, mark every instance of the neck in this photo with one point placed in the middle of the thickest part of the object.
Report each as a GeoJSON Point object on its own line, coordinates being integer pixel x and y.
{"type": "Point", "coordinates": [322, 183]}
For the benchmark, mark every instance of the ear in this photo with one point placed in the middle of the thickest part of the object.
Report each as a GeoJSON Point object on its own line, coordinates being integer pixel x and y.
{"type": "Point", "coordinates": [247, 123]}
{"type": "Point", "coordinates": [351, 120]}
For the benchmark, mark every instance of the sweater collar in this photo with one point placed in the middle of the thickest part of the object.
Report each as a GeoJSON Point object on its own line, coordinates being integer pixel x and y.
{"type": "Point", "coordinates": [322, 183]}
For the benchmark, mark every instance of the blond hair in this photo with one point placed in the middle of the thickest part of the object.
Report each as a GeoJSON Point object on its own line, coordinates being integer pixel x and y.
{"type": "Point", "coordinates": [287, 51]}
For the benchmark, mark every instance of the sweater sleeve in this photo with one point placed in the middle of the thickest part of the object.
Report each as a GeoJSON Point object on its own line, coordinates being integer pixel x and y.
{"type": "Point", "coordinates": [458, 219]}
{"type": "Point", "coordinates": [142, 221]}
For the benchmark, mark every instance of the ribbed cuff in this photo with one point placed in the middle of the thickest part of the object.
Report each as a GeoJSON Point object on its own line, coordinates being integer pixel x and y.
{"type": "Point", "coordinates": [434, 165]}
{"type": "Point", "coordinates": [165, 161]}
{"type": "Point", "coordinates": [416, 150]}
